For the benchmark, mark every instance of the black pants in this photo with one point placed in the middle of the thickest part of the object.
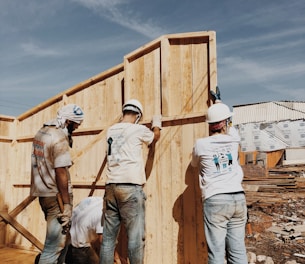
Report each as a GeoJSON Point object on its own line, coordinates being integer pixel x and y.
{"type": "Point", "coordinates": [84, 255]}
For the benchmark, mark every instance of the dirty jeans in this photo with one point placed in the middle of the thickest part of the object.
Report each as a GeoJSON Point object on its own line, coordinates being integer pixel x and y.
{"type": "Point", "coordinates": [225, 217]}
{"type": "Point", "coordinates": [55, 246]}
{"type": "Point", "coordinates": [126, 203]}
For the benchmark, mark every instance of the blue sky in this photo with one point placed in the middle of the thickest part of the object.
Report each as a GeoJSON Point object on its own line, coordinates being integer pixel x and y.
{"type": "Point", "coordinates": [49, 46]}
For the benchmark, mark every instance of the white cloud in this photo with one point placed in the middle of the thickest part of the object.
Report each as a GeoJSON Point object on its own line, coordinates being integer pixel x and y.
{"type": "Point", "coordinates": [260, 39]}
{"type": "Point", "coordinates": [117, 12]}
{"type": "Point", "coordinates": [34, 50]}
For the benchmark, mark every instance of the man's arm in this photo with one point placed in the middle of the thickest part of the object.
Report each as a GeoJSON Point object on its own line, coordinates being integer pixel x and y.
{"type": "Point", "coordinates": [156, 126]}
{"type": "Point", "coordinates": [62, 179]}
{"type": "Point", "coordinates": [157, 134]}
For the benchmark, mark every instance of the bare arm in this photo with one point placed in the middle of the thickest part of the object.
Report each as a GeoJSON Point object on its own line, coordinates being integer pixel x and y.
{"type": "Point", "coordinates": [156, 125]}
{"type": "Point", "coordinates": [157, 133]}
{"type": "Point", "coordinates": [62, 177]}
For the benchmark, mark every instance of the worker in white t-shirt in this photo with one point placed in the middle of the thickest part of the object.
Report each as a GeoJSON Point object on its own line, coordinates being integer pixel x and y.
{"type": "Point", "coordinates": [87, 232]}
{"type": "Point", "coordinates": [124, 195]}
{"type": "Point", "coordinates": [220, 180]}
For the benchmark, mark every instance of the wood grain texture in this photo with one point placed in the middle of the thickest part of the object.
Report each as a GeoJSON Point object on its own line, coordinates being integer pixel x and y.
{"type": "Point", "coordinates": [172, 76]}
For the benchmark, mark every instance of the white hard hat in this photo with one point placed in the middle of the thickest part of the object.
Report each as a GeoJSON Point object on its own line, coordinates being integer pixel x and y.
{"type": "Point", "coordinates": [133, 105]}
{"type": "Point", "coordinates": [218, 112]}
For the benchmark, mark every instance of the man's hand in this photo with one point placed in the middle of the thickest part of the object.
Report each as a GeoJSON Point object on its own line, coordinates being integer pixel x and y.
{"type": "Point", "coordinates": [156, 122]}
{"type": "Point", "coordinates": [65, 216]}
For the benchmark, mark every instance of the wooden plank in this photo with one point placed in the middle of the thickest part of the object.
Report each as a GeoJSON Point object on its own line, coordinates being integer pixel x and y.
{"type": "Point", "coordinates": [85, 84]}
{"type": "Point", "coordinates": [165, 76]}
{"type": "Point", "coordinates": [153, 190]}
{"type": "Point", "coordinates": [94, 141]}
{"type": "Point", "coordinates": [189, 197]}
{"type": "Point", "coordinates": [186, 81]}
{"type": "Point", "coordinates": [191, 117]}
{"type": "Point", "coordinates": [19, 208]}
{"type": "Point", "coordinates": [10, 220]}
{"type": "Point", "coordinates": [200, 76]}
{"type": "Point", "coordinates": [98, 176]}
{"type": "Point", "coordinates": [145, 73]}
{"type": "Point", "coordinates": [212, 65]}
{"type": "Point", "coordinates": [176, 193]}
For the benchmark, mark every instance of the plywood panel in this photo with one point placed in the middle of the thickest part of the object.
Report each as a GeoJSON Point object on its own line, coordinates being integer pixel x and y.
{"type": "Point", "coordinates": [17, 256]}
{"type": "Point", "coordinates": [6, 126]}
{"type": "Point", "coordinates": [31, 124]}
{"type": "Point", "coordinates": [201, 77]}
{"type": "Point", "coordinates": [142, 80]}
{"type": "Point", "coordinates": [185, 75]}
{"type": "Point", "coordinates": [172, 76]}
{"type": "Point", "coordinates": [154, 202]}
{"type": "Point", "coordinates": [175, 187]}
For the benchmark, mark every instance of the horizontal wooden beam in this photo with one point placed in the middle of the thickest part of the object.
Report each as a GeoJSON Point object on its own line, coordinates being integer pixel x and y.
{"type": "Point", "coordinates": [78, 185]}
{"type": "Point", "coordinates": [166, 122]}
{"type": "Point", "coordinates": [6, 139]}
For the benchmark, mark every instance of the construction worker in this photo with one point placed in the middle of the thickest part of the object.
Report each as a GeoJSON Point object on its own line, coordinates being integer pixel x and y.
{"type": "Point", "coordinates": [50, 179]}
{"type": "Point", "coordinates": [87, 232]}
{"type": "Point", "coordinates": [220, 179]}
{"type": "Point", "coordinates": [124, 196]}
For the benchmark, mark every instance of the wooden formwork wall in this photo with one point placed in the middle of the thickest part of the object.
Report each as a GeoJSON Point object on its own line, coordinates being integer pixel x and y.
{"type": "Point", "coordinates": [172, 76]}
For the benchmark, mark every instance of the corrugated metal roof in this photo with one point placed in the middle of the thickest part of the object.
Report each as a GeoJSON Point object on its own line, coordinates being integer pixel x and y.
{"type": "Point", "coordinates": [267, 112]}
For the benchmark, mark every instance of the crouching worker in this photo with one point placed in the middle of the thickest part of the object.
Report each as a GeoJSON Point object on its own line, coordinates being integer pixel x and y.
{"type": "Point", "coordinates": [86, 232]}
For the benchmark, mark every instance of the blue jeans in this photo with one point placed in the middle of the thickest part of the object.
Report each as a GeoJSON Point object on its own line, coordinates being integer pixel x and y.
{"type": "Point", "coordinates": [56, 243]}
{"type": "Point", "coordinates": [225, 217]}
{"type": "Point", "coordinates": [126, 203]}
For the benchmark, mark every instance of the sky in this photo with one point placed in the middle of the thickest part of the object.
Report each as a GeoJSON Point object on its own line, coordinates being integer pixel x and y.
{"type": "Point", "coordinates": [48, 47]}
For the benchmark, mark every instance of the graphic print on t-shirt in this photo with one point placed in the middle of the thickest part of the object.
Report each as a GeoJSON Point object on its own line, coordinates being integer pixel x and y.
{"type": "Point", "coordinates": [222, 158]}
{"type": "Point", "coordinates": [117, 141]}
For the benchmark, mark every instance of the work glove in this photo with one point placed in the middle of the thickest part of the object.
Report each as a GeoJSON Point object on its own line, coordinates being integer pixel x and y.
{"type": "Point", "coordinates": [156, 121]}
{"type": "Point", "coordinates": [65, 216]}
{"type": "Point", "coordinates": [216, 95]}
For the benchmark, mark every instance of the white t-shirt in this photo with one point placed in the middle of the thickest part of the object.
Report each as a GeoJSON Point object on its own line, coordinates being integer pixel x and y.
{"type": "Point", "coordinates": [217, 159]}
{"type": "Point", "coordinates": [124, 157]}
{"type": "Point", "coordinates": [86, 221]}
{"type": "Point", "coordinates": [50, 150]}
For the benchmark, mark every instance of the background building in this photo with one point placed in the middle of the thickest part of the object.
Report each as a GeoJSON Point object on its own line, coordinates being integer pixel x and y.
{"type": "Point", "coordinates": [271, 132]}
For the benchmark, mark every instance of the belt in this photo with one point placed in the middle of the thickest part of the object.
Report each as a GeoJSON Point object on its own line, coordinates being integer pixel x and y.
{"type": "Point", "coordinates": [235, 192]}
{"type": "Point", "coordinates": [123, 184]}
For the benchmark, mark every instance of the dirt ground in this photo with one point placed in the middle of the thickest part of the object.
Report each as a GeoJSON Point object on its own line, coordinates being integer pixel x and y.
{"type": "Point", "coordinates": [277, 229]}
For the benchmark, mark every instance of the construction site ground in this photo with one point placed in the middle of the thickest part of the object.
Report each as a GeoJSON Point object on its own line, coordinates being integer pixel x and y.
{"type": "Point", "coordinates": [276, 209]}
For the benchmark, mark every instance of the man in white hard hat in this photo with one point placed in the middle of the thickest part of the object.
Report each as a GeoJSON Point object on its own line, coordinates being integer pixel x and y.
{"type": "Point", "coordinates": [124, 199]}
{"type": "Point", "coordinates": [220, 179]}
{"type": "Point", "coordinates": [50, 179]}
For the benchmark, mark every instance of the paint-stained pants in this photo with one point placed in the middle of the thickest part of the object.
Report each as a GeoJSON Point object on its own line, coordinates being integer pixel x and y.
{"type": "Point", "coordinates": [56, 243]}
{"type": "Point", "coordinates": [124, 203]}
